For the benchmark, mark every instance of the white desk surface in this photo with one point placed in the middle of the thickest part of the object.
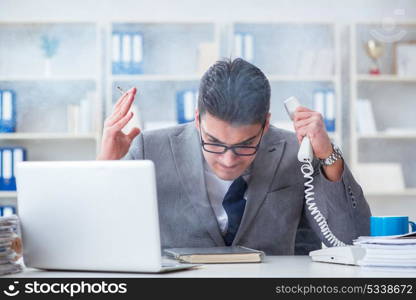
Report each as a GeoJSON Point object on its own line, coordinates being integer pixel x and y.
{"type": "Point", "coordinates": [271, 267]}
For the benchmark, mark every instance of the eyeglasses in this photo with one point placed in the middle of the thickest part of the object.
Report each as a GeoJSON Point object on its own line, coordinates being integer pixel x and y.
{"type": "Point", "coordinates": [237, 150]}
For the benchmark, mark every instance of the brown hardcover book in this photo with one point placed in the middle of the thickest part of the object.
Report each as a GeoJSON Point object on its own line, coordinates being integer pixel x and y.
{"type": "Point", "coordinates": [216, 255]}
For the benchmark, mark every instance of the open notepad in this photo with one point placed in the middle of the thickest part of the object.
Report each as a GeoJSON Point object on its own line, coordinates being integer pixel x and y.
{"type": "Point", "coordinates": [214, 255]}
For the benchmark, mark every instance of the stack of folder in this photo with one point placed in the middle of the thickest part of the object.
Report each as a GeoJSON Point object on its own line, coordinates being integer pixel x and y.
{"type": "Point", "coordinates": [7, 111]}
{"type": "Point", "coordinates": [10, 245]}
{"type": "Point", "coordinates": [9, 158]}
{"type": "Point", "coordinates": [324, 103]}
{"type": "Point", "coordinates": [7, 210]}
{"type": "Point", "coordinates": [244, 46]}
{"type": "Point", "coordinates": [186, 102]}
{"type": "Point", "coordinates": [127, 52]}
{"type": "Point", "coordinates": [388, 251]}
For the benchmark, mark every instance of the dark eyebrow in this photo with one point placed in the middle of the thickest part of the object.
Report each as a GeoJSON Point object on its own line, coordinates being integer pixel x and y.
{"type": "Point", "coordinates": [218, 141]}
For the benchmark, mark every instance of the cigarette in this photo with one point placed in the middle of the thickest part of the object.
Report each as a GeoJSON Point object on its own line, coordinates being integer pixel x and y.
{"type": "Point", "coordinates": [121, 90]}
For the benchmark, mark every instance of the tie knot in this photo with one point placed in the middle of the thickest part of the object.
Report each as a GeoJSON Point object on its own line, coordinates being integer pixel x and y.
{"type": "Point", "coordinates": [237, 189]}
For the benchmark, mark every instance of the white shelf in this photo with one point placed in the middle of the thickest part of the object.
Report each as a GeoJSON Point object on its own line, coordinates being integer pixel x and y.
{"type": "Point", "coordinates": [386, 90]}
{"type": "Point", "coordinates": [382, 135]}
{"type": "Point", "coordinates": [52, 78]}
{"type": "Point", "coordinates": [7, 194]}
{"type": "Point", "coordinates": [295, 78]}
{"type": "Point", "coordinates": [156, 77]}
{"type": "Point", "coordinates": [385, 78]}
{"type": "Point", "coordinates": [47, 136]}
{"type": "Point", "coordinates": [298, 78]}
{"type": "Point", "coordinates": [406, 192]}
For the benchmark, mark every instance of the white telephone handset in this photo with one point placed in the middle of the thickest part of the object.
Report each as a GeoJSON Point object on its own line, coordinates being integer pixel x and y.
{"type": "Point", "coordinates": [305, 155]}
{"type": "Point", "coordinates": [305, 151]}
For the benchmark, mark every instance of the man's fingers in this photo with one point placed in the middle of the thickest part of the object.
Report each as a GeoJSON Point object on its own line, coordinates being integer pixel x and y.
{"type": "Point", "coordinates": [123, 121]}
{"type": "Point", "coordinates": [302, 115]}
{"type": "Point", "coordinates": [126, 105]}
{"type": "Point", "coordinates": [128, 97]}
{"type": "Point", "coordinates": [120, 100]}
{"type": "Point", "coordinates": [303, 122]}
{"type": "Point", "coordinates": [301, 134]}
{"type": "Point", "coordinates": [133, 133]}
{"type": "Point", "coordinates": [124, 97]}
{"type": "Point", "coordinates": [122, 110]}
{"type": "Point", "coordinates": [303, 109]}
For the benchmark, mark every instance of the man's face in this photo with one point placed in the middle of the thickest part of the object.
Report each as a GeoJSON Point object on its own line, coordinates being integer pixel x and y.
{"type": "Point", "coordinates": [228, 166]}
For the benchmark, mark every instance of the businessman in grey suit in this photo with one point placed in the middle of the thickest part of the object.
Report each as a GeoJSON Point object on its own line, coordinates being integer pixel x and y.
{"type": "Point", "coordinates": [231, 178]}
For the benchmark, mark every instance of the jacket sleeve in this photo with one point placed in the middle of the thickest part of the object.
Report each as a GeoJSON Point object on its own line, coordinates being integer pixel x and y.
{"type": "Point", "coordinates": [136, 150]}
{"type": "Point", "coordinates": [343, 205]}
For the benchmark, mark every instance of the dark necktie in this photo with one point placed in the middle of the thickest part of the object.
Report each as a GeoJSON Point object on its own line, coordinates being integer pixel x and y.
{"type": "Point", "coordinates": [234, 204]}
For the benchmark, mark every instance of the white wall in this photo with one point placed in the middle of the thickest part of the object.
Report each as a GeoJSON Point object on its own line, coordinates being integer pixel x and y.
{"type": "Point", "coordinates": [215, 10]}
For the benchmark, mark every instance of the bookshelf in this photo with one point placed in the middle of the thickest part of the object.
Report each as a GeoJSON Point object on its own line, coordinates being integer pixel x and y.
{"type": "Point", "coordinates": [158, 84]}
{"type": "Point", "coordinates": [288, 53]}
{"type": "Point", "coordinates": [45, 82]}
{"type": "Point", "coordinates": [171, 63]}
{"type": "Point", "coordinates": [392, 101]}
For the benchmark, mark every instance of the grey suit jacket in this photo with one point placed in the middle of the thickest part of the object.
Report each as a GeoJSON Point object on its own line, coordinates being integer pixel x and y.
{"type": "Point", "coordinates": [275, 194]}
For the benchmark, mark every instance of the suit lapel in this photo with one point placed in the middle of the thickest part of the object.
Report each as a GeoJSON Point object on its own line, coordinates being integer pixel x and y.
{"type": "Point", "coordinates": [188, 160]}
{"type": "Point", "coordinates": [262, 173]}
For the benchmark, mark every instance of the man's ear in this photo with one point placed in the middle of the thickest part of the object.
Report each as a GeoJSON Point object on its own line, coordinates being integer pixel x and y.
{"type": "Point", "coordinates": [267, 123]}
{"type": "Point", "coordinates": [197, 118]}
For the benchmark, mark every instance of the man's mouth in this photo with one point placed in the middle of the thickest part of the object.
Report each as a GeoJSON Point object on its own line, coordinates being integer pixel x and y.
{"type": "Point", "coordinates": [228, 168]}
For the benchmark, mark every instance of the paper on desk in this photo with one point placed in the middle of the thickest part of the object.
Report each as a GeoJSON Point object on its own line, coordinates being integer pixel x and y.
{"type": "Point", "coordinates": [10, 245]}
{"type": "Point", "coordinates": [402, 239]}
{"type": "Point", "coordinates": [388, 251]}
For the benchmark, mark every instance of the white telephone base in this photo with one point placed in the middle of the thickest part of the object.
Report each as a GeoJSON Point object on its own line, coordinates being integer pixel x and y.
{"type": "Point", "coordinates": [347, 255]}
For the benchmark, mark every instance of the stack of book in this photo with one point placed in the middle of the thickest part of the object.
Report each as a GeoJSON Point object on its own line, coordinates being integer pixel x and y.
{"type": "Point", "coordinates": [388, 251]}
{"type": "Point", "coordinates": [10, 245]}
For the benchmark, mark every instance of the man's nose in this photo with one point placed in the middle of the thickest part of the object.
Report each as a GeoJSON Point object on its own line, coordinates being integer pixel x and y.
{"type": "Point", "coordinates": [228, 159]}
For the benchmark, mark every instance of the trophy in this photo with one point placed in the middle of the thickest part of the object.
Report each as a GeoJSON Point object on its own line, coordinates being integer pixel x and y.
{"type": "Point", "coordinates": [374, 49]}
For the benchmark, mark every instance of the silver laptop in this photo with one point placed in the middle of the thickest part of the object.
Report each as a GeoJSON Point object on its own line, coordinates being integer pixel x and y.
{"type": "Point", "coordinates": [91, 215]}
